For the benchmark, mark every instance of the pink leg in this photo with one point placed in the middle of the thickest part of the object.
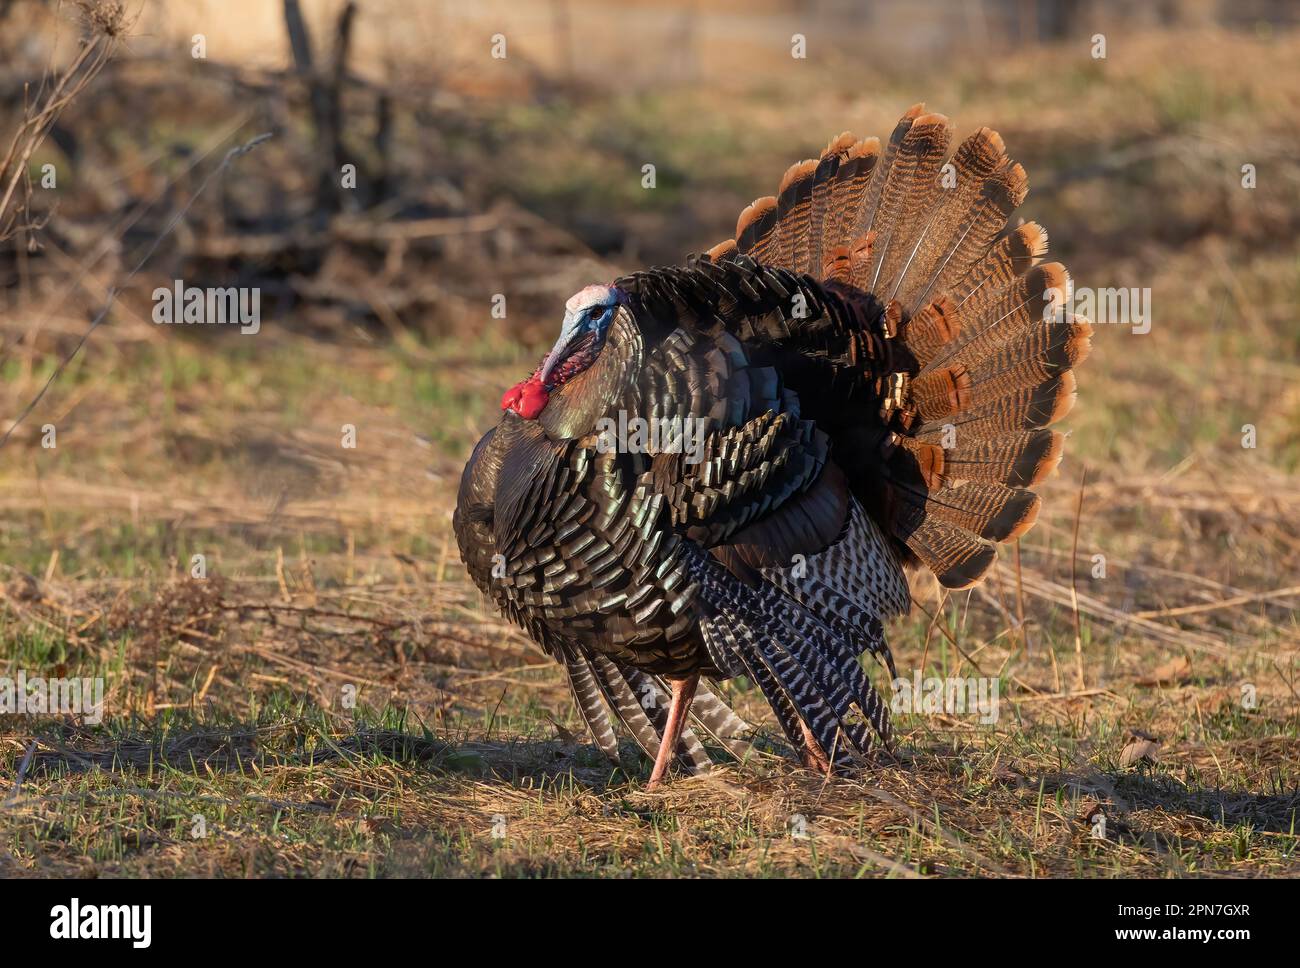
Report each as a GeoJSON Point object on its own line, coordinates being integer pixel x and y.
{"type": "Point", "coordinates": [683, 693]}
{"type": "Point", "coordinates": [814, 757]}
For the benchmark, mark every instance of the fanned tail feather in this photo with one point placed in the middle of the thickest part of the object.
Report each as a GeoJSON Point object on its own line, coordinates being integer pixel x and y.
{"type": "Point", "coordinates": [986, 352]}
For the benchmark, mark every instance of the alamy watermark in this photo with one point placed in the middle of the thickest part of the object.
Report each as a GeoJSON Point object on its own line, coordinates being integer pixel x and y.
{"type": "Point", "coordinates": [654, 435]}
{"type": "Point", "coordinates": [1113, 306]}
{"type": "Point", "coordinates": [229, 306]}
{"type": "Point", "coordinates": [953, 695]}
{"type": "Point", "coordinates": [75, 921]}
{"type": "Point", "coordinates": [42, 696]}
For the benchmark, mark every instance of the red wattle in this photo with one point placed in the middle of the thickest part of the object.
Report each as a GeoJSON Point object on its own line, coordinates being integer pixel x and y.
{"type": "Point", "coordinates": [528, 399]}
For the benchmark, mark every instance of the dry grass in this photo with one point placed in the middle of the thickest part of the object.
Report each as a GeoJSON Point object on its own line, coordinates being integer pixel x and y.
{"type": "Point", "coordinates": [104, 22]}
{"type": "Point", "coordinates": [333, 575]}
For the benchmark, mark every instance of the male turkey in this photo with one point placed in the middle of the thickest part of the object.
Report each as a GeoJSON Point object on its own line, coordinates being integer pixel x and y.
{"type": "Point", "coordinates": [871, 364]}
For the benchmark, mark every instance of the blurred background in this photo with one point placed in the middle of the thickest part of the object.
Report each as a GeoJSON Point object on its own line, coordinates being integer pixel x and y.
{"type": "Point", "coordinates": [521, 175]}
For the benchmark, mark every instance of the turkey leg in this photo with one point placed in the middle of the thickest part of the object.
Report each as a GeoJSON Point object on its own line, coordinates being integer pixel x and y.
{"type": "Point", "coordinates": [683, 693]}
{"type": "Point", "coordinates": [814, 757]}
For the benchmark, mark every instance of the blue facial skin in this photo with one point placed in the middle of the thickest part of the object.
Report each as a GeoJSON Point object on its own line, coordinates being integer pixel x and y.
{"type": "Point", "coordinates": [596, 320]}
{"type": "Point", "coordinates": [591, 320]}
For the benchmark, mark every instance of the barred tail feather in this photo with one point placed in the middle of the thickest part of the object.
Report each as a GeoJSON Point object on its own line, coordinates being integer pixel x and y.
{"type": "Point", "coordinates": [623, 688]}
{"type": "Point", "coordinates": [588, 697]}
{"type": "Point", "coordinates": [809, 671]}
{"type": "Point", "coordinates": [721, 637]}
{"type": "Point", "coordinates": [719, 721]}
{"type": "Point", "coordinates": [984, 355]}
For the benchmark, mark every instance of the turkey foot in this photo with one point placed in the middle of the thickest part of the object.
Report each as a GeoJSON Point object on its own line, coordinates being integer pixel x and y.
{"type": "Point", "coordinates": [683, 693]}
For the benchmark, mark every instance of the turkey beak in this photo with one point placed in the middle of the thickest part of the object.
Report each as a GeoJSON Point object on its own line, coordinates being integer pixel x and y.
{"type": "Point", "coordinates": [557, 351]}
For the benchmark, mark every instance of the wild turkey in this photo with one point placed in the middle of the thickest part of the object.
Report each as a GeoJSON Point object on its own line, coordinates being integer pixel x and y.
{"type": "Point", "coordinates": [871, 363]}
